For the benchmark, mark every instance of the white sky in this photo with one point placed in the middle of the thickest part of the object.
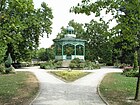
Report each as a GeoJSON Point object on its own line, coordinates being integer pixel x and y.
{"type": "Point", "coordinates": [62, 16]}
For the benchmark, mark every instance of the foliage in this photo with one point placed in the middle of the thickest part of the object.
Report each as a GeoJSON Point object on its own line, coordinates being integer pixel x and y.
{"type": "Point", "coordinates": [127, 15]}
{"type": "Point", "coordinates": [135, 61]}
{"type": "Point", "coordinates": [116, 89]}
{"type": "Point", "coordinates": [2, 68]}
{"type": "Point", "coordinates": [21, 26]}
{"type": "Point", "coordinates": [130, 72]}
{"type": "Point", "coordinates": [91, 65]}
{"type": "Point", "coordinates": [8, 62]}
{"type": "Point", "coordinates": [43, 54]}
{"type": "Point", "coordinates": [99, 46]}
{"type": "Point", "coordinates": [87, 65]}
{"type": "Point", "coordinates": [76, 63]}
{"type": "Point", "coordinates": [69, 76]}
{"type": "Point", "coordinates": [17, 88]}
{"type": "Point", "coordinates": [51, 64]}
{"type": "Point", "coordinates": [2, 51]}
{"type": "Point", "coordinates": [125, 12]}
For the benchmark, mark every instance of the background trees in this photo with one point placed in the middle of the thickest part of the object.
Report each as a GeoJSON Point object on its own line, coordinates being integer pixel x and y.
{"type": "Point", "coordinates": [125, 12]}
{"type": "Point", "coordinates": [99, 46]}
{"type": "Point", "coordinates": [43, 54]}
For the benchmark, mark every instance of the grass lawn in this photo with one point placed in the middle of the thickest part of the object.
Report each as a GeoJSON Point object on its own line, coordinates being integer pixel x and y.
{"type": "Point", "coordinates": [17, 89]}
{"type": "Point", "coordinates": [69, 76]}
{"type": "Point", "coordinates": [118, 89]}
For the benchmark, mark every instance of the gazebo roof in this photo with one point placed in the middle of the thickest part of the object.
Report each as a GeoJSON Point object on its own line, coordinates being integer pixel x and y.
{"type": "Point", "coordinates": [70, 36]}
{"type": "Point", "coordinates": [69, 39]}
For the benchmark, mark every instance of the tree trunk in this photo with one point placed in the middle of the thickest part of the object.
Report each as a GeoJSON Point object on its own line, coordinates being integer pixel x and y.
{"type": "Point", "coordinates": [137, 94]}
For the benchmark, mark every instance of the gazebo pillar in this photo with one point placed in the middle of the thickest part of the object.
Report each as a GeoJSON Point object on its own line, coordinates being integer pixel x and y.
{"type": "Point", "coordinates": [84, 50]}
{"type": "Point", "coordinates": [62, 51]}
{"type": "Point", "coordinates": [75, 51]}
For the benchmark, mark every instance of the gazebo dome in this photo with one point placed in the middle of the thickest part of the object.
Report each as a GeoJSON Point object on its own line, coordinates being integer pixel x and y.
{"type": "Point", "coordinates": [70, 28]}
{"type": "Point", "coordinates": [70, 32]}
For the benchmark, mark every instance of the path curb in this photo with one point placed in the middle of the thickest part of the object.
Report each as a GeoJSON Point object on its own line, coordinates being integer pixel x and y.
{"type": "Point", "coordinates": [39, 92]}
{"type": "Point", "coordinates": [99, 93]}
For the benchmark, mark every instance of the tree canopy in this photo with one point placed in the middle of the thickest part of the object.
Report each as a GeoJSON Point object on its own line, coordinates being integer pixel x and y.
{"type": "Point", "coordinates": [21, 25]}
{"type": "Point", "coordinates": [127, 32]}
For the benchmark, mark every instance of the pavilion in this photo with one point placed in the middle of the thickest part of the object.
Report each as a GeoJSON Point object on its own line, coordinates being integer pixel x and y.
{"type": "Point", "coordinates": [69, 47]}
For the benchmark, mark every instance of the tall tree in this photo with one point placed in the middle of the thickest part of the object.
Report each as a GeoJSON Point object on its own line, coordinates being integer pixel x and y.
{"type": "Point", "coordinates": [22, 25]}
{"type": "Point", "coordinates": [98, 41]}
{"type": "Point", "coordinates": [126, 13]}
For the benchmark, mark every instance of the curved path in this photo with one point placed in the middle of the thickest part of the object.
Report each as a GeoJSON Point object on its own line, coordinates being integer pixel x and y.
{"type": "Point", "coordinates": [83, 91]}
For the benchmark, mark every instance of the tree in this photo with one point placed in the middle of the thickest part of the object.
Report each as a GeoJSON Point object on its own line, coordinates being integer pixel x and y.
{"type": "Point", "coordinates": [127, 14]}
{"type": "Point", "coordinates": [22, 25]}
{"type": "Point", "coordinates": [98, 41]}
{"type": "Point", "coordinates": [44, 54]}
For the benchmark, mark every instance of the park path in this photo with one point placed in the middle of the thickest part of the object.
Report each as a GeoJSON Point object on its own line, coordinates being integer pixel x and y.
{"type": "Point", "coordinates": [83, 91]}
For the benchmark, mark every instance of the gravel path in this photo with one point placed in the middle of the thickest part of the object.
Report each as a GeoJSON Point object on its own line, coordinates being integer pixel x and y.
{"type": "Point", "coordinates": [83, 91]}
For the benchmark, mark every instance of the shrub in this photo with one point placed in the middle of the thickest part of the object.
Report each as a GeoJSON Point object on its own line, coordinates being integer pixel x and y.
{"type": "Point", "coordinates": [130, 72]}
{"type": "Point", "coordinates": [2, 68]}
{"type": "Point", "coordinates": [51, 65]}
{"type": "Point", "coordinates": [8, 62]}
{"type": "Point", "coordinates": [88, 65]}
{"type": "Point", "coordinates": [91, 65]}
{"type": "Point", "coordinates": [76, 63]}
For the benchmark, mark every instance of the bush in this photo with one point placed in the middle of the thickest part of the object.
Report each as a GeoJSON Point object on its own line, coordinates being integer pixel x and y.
{"type": "Point", "coordinates": [130, 72]}
{"type": "Point", "coordinates": [88, 65]}
{"type": "Point", "coordinates": [91, 65]}
{"type": "Point", "coordinates": [8, 62]}
{"type": "Point", "coordinates": [51, 65]}
{"type": "Point", "coordinates": [76, 63]}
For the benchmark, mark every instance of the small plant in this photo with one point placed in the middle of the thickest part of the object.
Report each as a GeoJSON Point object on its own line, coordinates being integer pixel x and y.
{"type": "Point", "coordinates": [8, 62]}
{"type": "Point", "coordinates": [8, 65]}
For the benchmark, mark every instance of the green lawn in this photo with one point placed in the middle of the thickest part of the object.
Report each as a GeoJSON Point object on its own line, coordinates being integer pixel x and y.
{"type": "Point", "coordinates": [118, 89]}
{"type": "Point", "coordinates": [69, 76]}
{"type": "Point", "coordinates": [17, 89]}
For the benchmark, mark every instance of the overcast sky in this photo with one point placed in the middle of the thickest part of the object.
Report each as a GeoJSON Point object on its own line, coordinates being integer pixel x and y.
{"type": "Point", "coordinates": [62, 16]}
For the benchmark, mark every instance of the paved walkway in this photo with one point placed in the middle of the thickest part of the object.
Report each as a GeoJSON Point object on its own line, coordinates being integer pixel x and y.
{"type": "Point", "coordinates": [83, 91]}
